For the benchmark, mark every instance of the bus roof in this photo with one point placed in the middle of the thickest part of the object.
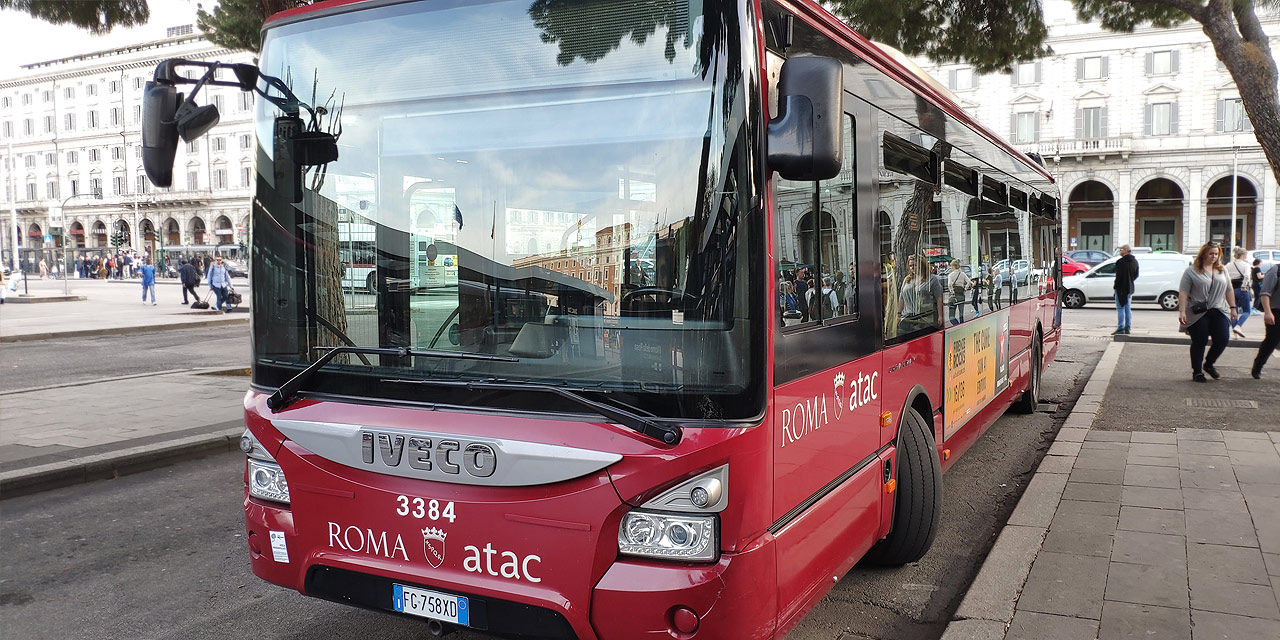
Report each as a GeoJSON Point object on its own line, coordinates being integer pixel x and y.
{"type": "Point", "coordinates": [883, 57]}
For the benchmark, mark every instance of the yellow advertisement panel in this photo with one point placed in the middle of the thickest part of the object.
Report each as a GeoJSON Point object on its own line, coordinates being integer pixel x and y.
{"type": "Point", "coordinates": [977, 368]}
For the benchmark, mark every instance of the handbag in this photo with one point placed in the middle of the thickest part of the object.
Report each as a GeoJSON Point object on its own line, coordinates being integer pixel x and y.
{"type": "Point", "coordinates": [1199, 308]}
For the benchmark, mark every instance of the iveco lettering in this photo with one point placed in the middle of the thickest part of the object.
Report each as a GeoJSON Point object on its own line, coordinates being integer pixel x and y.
{"type": "Point", "coordinates": [527, 353]}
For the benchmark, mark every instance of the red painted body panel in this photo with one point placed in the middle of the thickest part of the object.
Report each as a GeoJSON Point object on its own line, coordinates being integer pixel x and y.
{"type": "Point", "coordinates": [772, 570]}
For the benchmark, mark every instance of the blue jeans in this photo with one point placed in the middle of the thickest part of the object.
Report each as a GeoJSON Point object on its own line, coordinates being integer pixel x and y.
{"type": "Point", "coordinates": [1244, 306]}
{"type": "Point", "coordinates": [1124, 312]}
{"type": "Point", "coordinates": [152, 289]}
{"type": "Point", "coordinates": [221, 292]}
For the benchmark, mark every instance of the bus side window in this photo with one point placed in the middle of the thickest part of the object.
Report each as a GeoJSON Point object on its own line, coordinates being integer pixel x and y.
{"type": "Point", "coordinates": [913, 291]}
{"type": "Point", "coordinates": [815, 241]}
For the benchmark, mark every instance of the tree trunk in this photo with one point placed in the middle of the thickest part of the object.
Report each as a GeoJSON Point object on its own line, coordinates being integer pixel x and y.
{"type": "Point", "coordinates": [327, 270]}
{"type": "Point", "coordinates": [1245, 49]}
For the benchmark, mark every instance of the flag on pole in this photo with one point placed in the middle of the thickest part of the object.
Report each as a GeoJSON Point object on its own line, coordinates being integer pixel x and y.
{"type": "Point", "coordinates": [457, 215]}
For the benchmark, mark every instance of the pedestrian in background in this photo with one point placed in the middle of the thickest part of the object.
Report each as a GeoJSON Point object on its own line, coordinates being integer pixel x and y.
{"type": "Point", "coordinates": [219, 282]}
{"type": "Point", "coordinates": [148, 281]}
{"type": "Point", "coordinates": [1126, 273]}
{"type": "Point", "coordinates": [1238, 273]}
{"type": "Point", "coordinates": [979, 283]}
{"type": "Point", "coordinates": [1205, 299]}
{"type": "Point", "coordinates": [1255, 278]}
{"type": "Point", "coordinates": [997, 288]}
{"type": "Point", "coordinates": [958, 283]}
{"type": "Point", "coordinates": [851, 289]}
{"type": "Point", "coordinates": [44, 269]}
{"type": "Point", "coordinates": [190, 280]}
{"type": "Point", "coordinates": [1269, 295]}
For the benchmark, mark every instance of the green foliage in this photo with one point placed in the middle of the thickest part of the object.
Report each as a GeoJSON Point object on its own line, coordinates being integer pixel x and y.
{"type": "Point", "coordinates": [235, 24]}
{"type": "Point", "coordinates": [97, 16]}
{"type": "Point", "coordinates": [1124, 17]}
{"type": "Point", "coordinates": [990, 35]}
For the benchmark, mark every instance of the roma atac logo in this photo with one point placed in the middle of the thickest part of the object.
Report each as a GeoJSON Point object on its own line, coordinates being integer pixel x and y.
{"type": "Point", "coordinates": [433, 546]}
{"type": "Point", "coordinates": [839, 394]}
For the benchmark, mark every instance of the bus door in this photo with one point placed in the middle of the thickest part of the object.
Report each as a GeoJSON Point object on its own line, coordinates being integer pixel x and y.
{"type": "Point", "coordinates": [827, 397]}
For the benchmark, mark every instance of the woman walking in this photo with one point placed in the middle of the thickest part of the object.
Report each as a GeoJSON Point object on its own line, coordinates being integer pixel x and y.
{"type": "Point", "coordinates": [1205, 300]}
{"type": "Point", "coordinates": [1238, 272]}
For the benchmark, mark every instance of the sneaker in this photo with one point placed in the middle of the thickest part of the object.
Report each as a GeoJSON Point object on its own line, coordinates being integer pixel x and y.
{"type": "Point", "coordinates": [1239, 333]}
{"type": "Point", "coordinates": [1208, 368]}
{"type": "Point", "coordinates": [1198, 377]}
{"type": "Point", "coordinates": [153, 304]}
{"type": "Point", "coordinates": [1256, 372]}
{"type": "Point", "coordinates": [1118, 332]}
{"type": "Point", "coordinates": [1126, 331]}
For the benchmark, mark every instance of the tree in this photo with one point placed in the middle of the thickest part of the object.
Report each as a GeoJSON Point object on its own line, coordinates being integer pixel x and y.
{"type": "Point", "coordinates": [995, 34]}
{"type": "Point", "coordinates": [237, 24]}
{"type": "Point", "coordinates": [97, 16]}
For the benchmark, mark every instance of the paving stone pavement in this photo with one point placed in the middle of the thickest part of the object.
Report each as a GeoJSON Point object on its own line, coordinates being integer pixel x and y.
{"type": "Point", "coordinates": [1138, 534]}
{"type": "Point", "coordinates": [61, 423]}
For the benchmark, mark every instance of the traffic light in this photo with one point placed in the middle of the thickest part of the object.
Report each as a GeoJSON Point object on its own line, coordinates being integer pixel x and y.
{"type": "Point", "coordinates": [118, 239]}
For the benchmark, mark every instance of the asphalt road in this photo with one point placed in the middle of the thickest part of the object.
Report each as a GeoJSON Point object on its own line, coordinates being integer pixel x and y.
{"type": "Point", "coordinates": [161, 554]}
{"type": "Point", "coordinates": [48, 362]}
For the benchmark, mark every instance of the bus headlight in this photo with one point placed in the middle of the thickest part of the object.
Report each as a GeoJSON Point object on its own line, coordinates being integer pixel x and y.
{"type": "Point", "coordinates": [669, 536]}
{"type": "Point", "coordinates": [266, 481]}
{"type": "Point", "coordinates": [266, 478]}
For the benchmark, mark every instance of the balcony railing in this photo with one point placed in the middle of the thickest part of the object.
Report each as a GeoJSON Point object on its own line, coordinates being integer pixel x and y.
{"type": "Point", "coordinates": [1081, 148]}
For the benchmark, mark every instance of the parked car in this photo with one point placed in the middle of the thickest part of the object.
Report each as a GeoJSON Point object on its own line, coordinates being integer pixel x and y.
{"type": "Point", "coordinates": [1159, 275]}
{"type": "Point", "coordinates": [1072, 267]}
{"type": "Point", "coordinates": [1091, 257]}
{"type": "Point", "coordinates": [1269, 257]}
{"type": "Point", "coordinates": [236, 268]}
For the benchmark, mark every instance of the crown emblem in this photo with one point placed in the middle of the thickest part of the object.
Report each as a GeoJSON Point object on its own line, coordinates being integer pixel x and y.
{"type": "Point", "coordinates": [433, 546]}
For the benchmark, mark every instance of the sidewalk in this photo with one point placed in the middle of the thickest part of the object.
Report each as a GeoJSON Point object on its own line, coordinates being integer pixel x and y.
{"type": "Point", "coordinates": [63, 434]}
{"type": "Point", "coordinates": [107, 307]}
{"type": "Point", "coordinates": [1155, 514]}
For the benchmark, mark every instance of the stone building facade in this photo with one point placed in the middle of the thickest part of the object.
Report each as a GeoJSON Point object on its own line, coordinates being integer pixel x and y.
{"type": "Point", "coordinates": [1141, 131]}
{"type": "Point", "coordinates": [72, 127]}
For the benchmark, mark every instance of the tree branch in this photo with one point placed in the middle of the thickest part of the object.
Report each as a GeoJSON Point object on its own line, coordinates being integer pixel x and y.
{"type": "Point", "coordinates": [1250, 28]}
{"type": "Point", "coordinates": [1193, 8]}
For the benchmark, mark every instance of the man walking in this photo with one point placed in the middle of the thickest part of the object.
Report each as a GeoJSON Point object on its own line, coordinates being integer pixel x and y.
{"type": "Point", "coordinates": [1126, 273]}
{"type": "Point", "coordinates": [219, 281]}
{"type": "Point", "coordinates": [190, 280]}
{"type": "Point", "coordinates": [1269, 295]}
{"type": "Point", "coordinates": [148, 281]}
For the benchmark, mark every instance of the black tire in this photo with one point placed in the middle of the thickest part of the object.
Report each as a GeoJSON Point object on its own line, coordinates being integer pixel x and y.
{"type": "Point", "coordinates": [1168, 301]}
{"type": "Point", "coordinates": [917, 506]}
{"type": "Point", "coordinates": [1026, 403]}
{"type": "Point", "coordinates": [371, 283]}
{"type": "Point", "coordinates": [1073, 299]}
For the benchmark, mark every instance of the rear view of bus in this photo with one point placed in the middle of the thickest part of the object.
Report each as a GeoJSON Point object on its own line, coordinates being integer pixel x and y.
{"type": "Point", "coordinates": [575, 389]}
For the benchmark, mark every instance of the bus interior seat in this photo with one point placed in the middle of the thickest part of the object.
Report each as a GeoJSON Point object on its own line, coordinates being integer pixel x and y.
{"type": "Point", "coordinates": [538, 340]}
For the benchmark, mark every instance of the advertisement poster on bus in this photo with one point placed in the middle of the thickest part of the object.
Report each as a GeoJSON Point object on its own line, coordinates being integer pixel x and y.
{"type": "Point", "coordinates": [977, 370]}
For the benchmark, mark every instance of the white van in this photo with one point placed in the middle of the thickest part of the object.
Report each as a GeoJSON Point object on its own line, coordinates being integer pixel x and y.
{"type": "Point", "coordinates": [1159, 275]}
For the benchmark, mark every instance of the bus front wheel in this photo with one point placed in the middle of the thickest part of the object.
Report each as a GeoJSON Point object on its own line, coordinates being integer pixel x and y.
{"type": "Point", "coordinates": [917, 506]}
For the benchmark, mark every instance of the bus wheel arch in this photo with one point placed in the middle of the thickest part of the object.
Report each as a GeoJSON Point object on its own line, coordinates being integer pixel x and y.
{"type": "Point", "coordinates": [917, 508]}
{"type": "Point", "coordinates": [1026, 403]}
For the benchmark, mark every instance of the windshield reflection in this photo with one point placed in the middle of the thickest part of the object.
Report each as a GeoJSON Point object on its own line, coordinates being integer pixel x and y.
{"type": "Point", "coordinates": [564, 182]}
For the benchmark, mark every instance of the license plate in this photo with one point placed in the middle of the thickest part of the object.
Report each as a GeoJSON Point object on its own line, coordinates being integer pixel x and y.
{"type": "Point", "coordinates": [430, 604]}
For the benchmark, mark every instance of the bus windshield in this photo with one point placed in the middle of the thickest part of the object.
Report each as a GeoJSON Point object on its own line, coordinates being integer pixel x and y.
{"type": "Point", "coordinates": [565, 183]}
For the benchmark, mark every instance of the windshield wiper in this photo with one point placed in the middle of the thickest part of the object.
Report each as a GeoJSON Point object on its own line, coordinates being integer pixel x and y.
{"type": "Point", "coordinates": [284, 395]}
{"type": "Point", "coordinates": [667, 434]}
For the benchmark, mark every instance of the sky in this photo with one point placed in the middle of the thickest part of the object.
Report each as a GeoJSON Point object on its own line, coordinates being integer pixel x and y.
{"type": "Point", "coordinates": [24, 39]}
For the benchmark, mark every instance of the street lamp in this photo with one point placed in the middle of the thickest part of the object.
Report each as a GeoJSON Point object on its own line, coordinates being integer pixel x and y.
{"type": "Point", "coordinates": [62, 216]}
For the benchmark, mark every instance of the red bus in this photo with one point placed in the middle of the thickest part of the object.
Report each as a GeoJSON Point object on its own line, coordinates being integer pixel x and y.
{"type": "Point", "coordinates": [720, 348]}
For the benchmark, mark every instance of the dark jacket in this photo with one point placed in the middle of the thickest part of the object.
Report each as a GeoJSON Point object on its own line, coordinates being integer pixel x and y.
{"type": "Point", "coordinates": [1126, 273]}
{"type": "Point", "coordinates": [188, 275]}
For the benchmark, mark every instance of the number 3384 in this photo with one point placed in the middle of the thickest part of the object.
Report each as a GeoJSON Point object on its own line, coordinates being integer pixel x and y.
{"type": "Point", "coordinates": [429, 509]}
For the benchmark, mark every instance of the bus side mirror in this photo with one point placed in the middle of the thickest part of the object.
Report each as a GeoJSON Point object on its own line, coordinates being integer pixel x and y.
{"type": "Point", "coordinates": [159, 132]}
{"type": "Point", "coordinates": [805, 140]}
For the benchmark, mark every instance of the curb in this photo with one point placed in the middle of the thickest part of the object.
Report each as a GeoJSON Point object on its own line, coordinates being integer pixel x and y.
{"type": "Point", "coordinates": [21, 299]}
{"type": "Point", "coordinates": [1185, 342]}
{"type": "Point", "coordinates": [116, 463]}
{"type": "Point", "coordinates": [988, 604]}
{"type": "Point", "coordinates": [112, 331]}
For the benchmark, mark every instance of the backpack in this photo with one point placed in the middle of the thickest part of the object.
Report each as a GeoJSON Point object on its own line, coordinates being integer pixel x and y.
{"type": "Point", "coordinates": [828, 309]}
